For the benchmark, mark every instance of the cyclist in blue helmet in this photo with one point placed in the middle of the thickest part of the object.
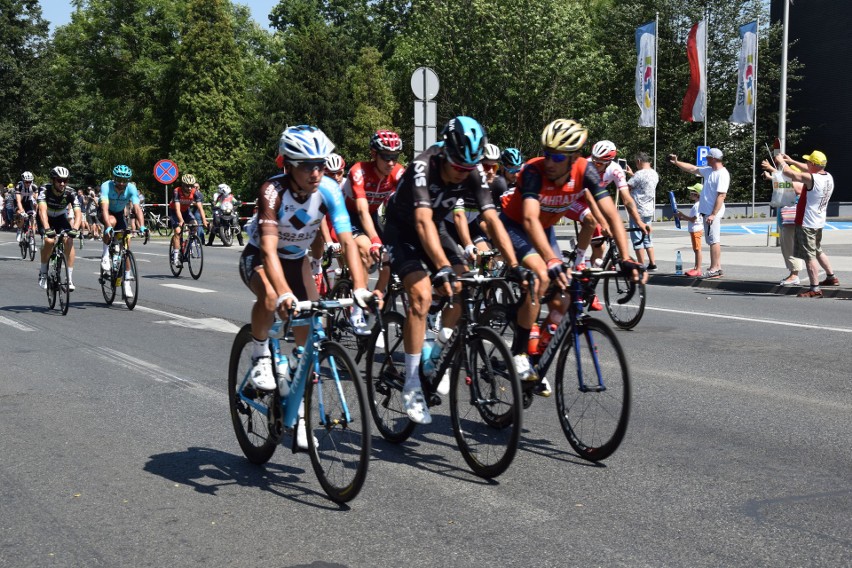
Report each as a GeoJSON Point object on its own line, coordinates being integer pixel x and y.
{"type": "Point", "coordinates": [116, 193]}
{"type": "Point", "coordinates": [419, 244]}
{"type": "Point", "coordinates": [511, 162]}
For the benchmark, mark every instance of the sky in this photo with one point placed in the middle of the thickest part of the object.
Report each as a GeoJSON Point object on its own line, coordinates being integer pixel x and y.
{"type": "Point", "coordinates": [58, 12]}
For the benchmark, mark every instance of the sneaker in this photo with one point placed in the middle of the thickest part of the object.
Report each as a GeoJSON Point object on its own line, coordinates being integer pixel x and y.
{"type": "Point", "coordinates": [415, 407]}
{"type": "Point", "coordinates": [652, 267]}
{"type": "Point", "coordinates": [444, 386]}
{"type": "Point", "coordinates": [794, 281]}
{"type": "Point", "coordinates": [42, 280]}
{"type": "Point", "coordinates": [105, 263]}
{"type": "Point", "coordinates": [18, 237]}
{"type": "Point", "coordinates": [359, 324]}
{"type": "Point", "coordinates": [595, 305]}
{"type": "Point", "coordinates": [71, 286]}
{"type": "Point", "coordinates": [302, 435]}
{"type": "Point", "coordinates": [128, 289]}
{"type": "Point", "coordinates": [542, 389]}
{"type": "Point", "coordinates": [810, 294]}
{"type": "Point", "coordinates": [694, 273]}
{"type": "Point", "coordinates": [261, 373]}
{"type": "Point", "coordinates": [830, 281]}
{"type": "Point", "coordinates": [712, 274]}
{"type": "Point", "coordinates": [524, 368]}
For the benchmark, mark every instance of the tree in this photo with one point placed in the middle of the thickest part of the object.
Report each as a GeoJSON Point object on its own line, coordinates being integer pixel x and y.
{"type": "Point", "coordinates": [373, 101]}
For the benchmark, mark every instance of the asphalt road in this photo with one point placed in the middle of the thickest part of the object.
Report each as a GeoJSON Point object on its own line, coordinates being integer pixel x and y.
{"type": "Point", "coordinates": [116, 447]}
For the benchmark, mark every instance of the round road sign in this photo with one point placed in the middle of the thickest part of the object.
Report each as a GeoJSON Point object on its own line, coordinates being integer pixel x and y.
{"type": "Point", "coordinates": [165, 171]}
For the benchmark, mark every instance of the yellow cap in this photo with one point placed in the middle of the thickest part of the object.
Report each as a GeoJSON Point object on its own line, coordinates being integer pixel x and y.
{"type": "Point", "coordinates": [816, 157]}
{"type": "Point", "coordinates": [695, 188]}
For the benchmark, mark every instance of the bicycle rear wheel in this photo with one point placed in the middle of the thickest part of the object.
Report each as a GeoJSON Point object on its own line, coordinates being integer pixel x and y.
{"type": "Point", "coordinates": [195, 256]}
{"type": "Point", "coordinates": [385, 378]}
{"type": "Point", "coordinates": [176, 270]}
{"type": "Point", "coordinates": [61, 284]}
{"type": "Point", "coordinates": [131, 281]}
{"type": "Point", "coordinates": [32, 246]}
{"type": "Point", "coordinates": [595, 410]}
{"type": "Point", "coordinates": [486, 405]}
{"type": "Point", "coordinates": [624, 300]}
{"type": "Point", "coordinates": [256, 415]}
{"type": "Point", "coordinates": [25, 246]}
{"type": "Point", "coordinates": [338, 323]}
{"type": "Point", "coordinates": [338, 425]}
{"type": "Point", "coordinates": [52, 286]}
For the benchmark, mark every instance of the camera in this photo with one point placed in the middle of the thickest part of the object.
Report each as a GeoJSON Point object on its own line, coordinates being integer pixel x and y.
{"type": "Point", "coordinates": [623, 163]}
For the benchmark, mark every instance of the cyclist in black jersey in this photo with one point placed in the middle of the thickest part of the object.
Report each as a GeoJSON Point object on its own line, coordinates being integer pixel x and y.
{"type": "Point", "coordinates": [25, 199]}
{"type": "Point", "coordinates": [53, 200]}
{"type": "Point", "coordinates": [418, 242]}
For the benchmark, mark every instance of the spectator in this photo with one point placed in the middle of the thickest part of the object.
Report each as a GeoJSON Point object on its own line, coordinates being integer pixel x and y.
{"type": "Point", "coordinates": [711, 205]}
{"type": "Point", "coordinates": [695, 228]}
{"type": "Point", "coordinates": [810, 216]}
{"type": "Point", "coordinates": [787, 230]}
{"type": "Point", "coordinates": [92, 214]}
{"type": "Point", "coordinates": [84, 224]}
{"type": "Point", "coordinates": [643, 190]}
{"type": "Point", "coordinates": [9, 206]}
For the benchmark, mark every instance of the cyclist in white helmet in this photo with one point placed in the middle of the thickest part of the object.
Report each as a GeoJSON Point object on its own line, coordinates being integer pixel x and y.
{"type": "Point", "coordinates": [25, 198]}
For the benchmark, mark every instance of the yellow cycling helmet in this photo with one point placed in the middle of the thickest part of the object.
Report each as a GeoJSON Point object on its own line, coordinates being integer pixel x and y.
{"type": "Point", "coordinates": [564, 135]}
{"type": "Point", "coordinates": [187, 179]}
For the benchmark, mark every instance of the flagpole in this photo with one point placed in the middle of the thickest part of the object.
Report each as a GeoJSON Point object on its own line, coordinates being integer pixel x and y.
{"type": "Point", "coordinates": [656, 64]}
{"type": "Point", "coordinates": [782, 107]}
{"type": "Point", "coordinates": [754, 135]}
{"type": "Point", "coordinates": [706, 70]}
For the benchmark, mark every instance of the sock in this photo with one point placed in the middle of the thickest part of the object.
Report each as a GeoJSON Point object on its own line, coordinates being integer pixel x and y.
{"type": "Point", "coordinates": [43, 268]}
{"type": "Point", "coordinates": [106, 251]}
{"type": "Point", "coordinates": [70, 272]}
{"type": "Point", "coordinates": [260, 348]}
{"type": "Point", "coordinates": [521, 341]}
{"type": "Point", "coordinates": [412, 374]}
{"type": "Point", "coordinates": [581, 256]}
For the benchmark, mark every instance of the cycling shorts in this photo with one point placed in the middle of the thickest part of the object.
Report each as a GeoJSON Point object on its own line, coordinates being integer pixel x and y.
{"type": "Point", "coordinates": [56, 223]}
{"type": "Point", "coordinates": [358, 228]}
{"type": "Point", "coordinates": [475, 230]}
{"type": "Point", "coordinates": [120, 220]}
{"type": "Point", "coordinates": [407, 254]}
{"type": "Point", "coordinates": [521, 241]}
{"type": "Point", "coordinates": [297, 272]}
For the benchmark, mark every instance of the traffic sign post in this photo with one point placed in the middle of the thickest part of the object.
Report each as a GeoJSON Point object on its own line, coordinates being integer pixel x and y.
{"type": "Point", "coordinates": [701, 154]}
{"type": "Point", "coordinates": [424, 85]}
{"type": "Point", "coordinates": [166, 172]}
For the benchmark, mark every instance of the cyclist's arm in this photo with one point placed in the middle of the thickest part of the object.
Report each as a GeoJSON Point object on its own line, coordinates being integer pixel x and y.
{"type": "Point", "coordinates": [427, 232]}
{"type": "Point", "coordinates": [353, 259]}
{"type": "Point", "coordinates": [363, 208]}
{"type": "Point", "coordinates": [460, 221]}
{"type": "Point", "coordinates": [595, 212]}
{"type": "Point", "coordinates": [78, 216]}
{"type": "Point", "coordinates": [535, 230]}
{"type": "Point", "coordinates": [19, 202]}
{"type": "Point", "coordinates": [42, 215]}
{"type": "Point", "coordinates": [499, 236]}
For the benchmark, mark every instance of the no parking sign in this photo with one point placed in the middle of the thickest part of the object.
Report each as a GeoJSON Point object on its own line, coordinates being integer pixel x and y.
{"type": "Point", "coordinates": [165, 171]}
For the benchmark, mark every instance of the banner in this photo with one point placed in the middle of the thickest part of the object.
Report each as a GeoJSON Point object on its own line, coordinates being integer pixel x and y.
{"type": "Point", "coordinates": [747, 76]}
{"type": "Point", "coordinates": [646, 65]}
{"type": "Point", "coordinates": [696, 95]}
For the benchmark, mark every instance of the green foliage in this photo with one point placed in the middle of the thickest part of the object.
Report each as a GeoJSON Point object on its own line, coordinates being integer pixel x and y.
{"type": "Point", "coordinates": [373, 103]}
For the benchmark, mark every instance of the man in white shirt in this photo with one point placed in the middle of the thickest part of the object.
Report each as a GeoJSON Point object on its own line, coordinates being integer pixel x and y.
{"type": "Point", "coordinates": [717, 180]}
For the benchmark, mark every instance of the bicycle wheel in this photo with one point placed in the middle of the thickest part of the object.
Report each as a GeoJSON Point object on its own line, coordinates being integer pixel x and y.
{"type": "Point", "coordinates": [385, 379]}
{"type": "Point", "coordinates": [24, 244]}
{"type": "Point", "coordinates": [339, 328]}
{"type": "Point", "coordinates": [256, 415]}
{"type": "Point", "coordinates": [131, 280]}
{"type": "Point", "coordinates": [593, 411]}
{"type": "Point", "coordinates": [176, 270]}
{"type": "Point", "coordinates": [107, 281]}
{"type": "Point", "coordinates": [195, 256]}
{"type": "Point", "coordinates": [338, 425]}
{"type": "Point", "coordinates": [624, 300]}
{"type": "Point", "coordinates": [60, 284]}
{"type": "Point", "coordinates": [32, 246]}
{"type": "Point", "coordinates": [52, 286]}
{"type": "Point", "coordinates": [486, 405]}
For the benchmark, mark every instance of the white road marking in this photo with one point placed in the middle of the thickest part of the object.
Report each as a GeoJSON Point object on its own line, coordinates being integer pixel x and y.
{"type": "Point", "coordinates": [753, 320]}
{"type": "Point", "coordinates": [16, 324]}
{"type": "Point", "coordinates": [189, 288]}
{"type": "Point", "coordinates": [211, 324]}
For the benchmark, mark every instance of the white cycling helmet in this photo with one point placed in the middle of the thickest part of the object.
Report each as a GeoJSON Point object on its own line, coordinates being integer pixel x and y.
{"type": "Point", "coordinates": [60, 172]}
{"type": "Point", "coordinates": [334, 163]}
{"type": "Point", "coordinates": [492, 152]}
{"type": "Point", "coordinates": [304, 143]}
{"type": "Point", "coordinates": [224, 189]}
{"type": "Point", "coordinates": [27, 176]}
{"type": "Point", "coordinates": [604, 150]}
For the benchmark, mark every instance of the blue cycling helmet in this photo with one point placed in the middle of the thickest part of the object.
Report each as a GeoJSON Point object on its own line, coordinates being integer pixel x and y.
{"type": "Point", "coordinates": [464, 141]}
{"type": "Point", "coordinates": [304, 143]}
{"type": "Point", "coordinates": [122, 171]}
{"type": "Point", "coordinates": [512, 158]}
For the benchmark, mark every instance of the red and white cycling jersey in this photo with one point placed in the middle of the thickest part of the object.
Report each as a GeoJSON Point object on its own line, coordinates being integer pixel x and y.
{"type": "Point", "coordinates": [614, 174]}
{"type": "Point", "coordinates": [364, 181]}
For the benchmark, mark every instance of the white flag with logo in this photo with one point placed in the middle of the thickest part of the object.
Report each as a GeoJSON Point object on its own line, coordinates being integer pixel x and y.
{"type": "Point", "coordinates": [646, 65]}
{"type": "Point", "coordinates": [747, 76]}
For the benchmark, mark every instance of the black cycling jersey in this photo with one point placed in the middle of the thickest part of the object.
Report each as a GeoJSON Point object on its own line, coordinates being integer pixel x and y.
{"type": "Point", "coordinates": [57, 202]}
{"type": "Point", "coordinates": [498, 189]}
{"type": "Point", "coordinates": [28, 194]}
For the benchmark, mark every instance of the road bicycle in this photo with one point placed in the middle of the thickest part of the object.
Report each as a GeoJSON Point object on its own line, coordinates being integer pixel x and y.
{"type": "Point", "coordinates": [28, 242]}
{"type": "Point", "coordinates": [191, 252]}
{"type": "Point", "coordinates": [122, 271]}
{"type": "Point", "coordinates": [485, 393]}
{"type": "Point", "coordinates": [326, 378]}
{"type": "Point", "coordinates": [58, 277]}
{"type": "Point", "coordinates": [161, 223]}
{"type": "Point", "coordinates": [593, 413]}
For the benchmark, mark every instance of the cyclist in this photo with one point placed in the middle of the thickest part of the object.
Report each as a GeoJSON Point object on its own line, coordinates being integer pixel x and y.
{"type": "Point", "coordinates": [25, 198]}
{"type": "Point", "coordinates": [559, 184]}
{"type": "Point", "coordinates": [418, 241]}
{"type": "Point", "coordinates": [274, 263]}
{"type": "Point", "coordinates": [223, 195]}
{"type": "Point", "coordinates": [335, 168]}
{"type": "Point", "coordinates": [367, 187]}
{"type": "Point", "coordinates": [117, 195]}
{"type": "Point", "coordinates": [53, 200]}
{"type": "Point", "coordinates": [463, 223]}
{"type": "Point", "coordinates": [511, 161]}
{"type": "Point", "coordinates": [186, 196]}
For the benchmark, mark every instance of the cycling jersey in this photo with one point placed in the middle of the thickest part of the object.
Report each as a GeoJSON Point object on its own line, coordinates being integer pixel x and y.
{"type": "Point", "coordinates": [295, 223]}
{"type": "Point", "coordinates": [28, 194]}
{"type": "Point", "coordinates": [556, 201]}
{"type": "Point", "coordinates": [365, 181]}
{"type": "Point", "coordinates": [57, 203]}
{"type": "Point", "coordinates": [614, 174]}
{"type": "Point", "coordinates": [499, 188]}
{"type": "Point", "coordinates": [116, 202]}
{"type": "Point", "coordinates": [185, 197]}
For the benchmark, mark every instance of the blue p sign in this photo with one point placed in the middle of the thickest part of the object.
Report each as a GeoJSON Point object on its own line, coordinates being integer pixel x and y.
{"type": "Point", "coordinates": [701, 155]}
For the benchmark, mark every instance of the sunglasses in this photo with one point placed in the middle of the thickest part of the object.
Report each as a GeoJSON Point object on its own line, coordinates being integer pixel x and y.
{"type": "Point", "coordinates": [512, 170]}
{"type": "Point", "coordinates": [388, 157]}
{"type": "Point", "coordinates": [555, 157]}
{"type": "Point", "coordinates": [310, 166]}
{"type": "Point", "coordinates": [457, 167]}
{"type": "Point", "coordinates": [489, 167]}
{"type": "Point", "coordinates": [60, 180]}
{"type": "Point", "coordinates": [337, 173]}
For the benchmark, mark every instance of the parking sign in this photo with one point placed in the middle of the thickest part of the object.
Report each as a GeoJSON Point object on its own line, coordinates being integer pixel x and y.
{"type": "Point", "coordinates": [701, 155]}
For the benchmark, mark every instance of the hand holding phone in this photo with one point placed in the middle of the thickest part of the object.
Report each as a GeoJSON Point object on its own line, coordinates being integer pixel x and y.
{"type": "Point", "coordinates": [622, 163]}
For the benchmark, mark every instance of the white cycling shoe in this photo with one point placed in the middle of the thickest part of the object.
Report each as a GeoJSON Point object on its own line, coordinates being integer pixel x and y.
{"type": "Point", "coordinates": [302, 435]}
{"type": "Point", "coordinates": [261, 375]}
{"type": "Point", "coordinates": [415, 406]}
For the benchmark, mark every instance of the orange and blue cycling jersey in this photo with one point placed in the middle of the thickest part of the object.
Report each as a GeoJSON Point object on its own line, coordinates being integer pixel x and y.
{"type": "Point", "coordinates": [185, 197]}
{"type": "Point", "coordinates": [364, 181]}
{"type": "Point", "coordinates": [556, 201]}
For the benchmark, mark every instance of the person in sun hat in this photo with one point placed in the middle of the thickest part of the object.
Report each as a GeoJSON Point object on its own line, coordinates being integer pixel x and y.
{"type": "Point", "coordinates": [695, 227]}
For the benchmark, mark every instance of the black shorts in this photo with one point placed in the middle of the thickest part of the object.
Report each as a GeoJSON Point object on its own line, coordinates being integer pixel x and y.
{"type": "Point", "coordinates": [294, 272]}
{"type": "Point", "coordinates": [476, 233]}
{"type": "Point", "coordinates": [407, 254]}
{"type": "Point", "coordinates": [120, 220]}
{"type": "Point", "coordinates": [56, 223]}
{"type": "Point", "coordinates": [358, 227]}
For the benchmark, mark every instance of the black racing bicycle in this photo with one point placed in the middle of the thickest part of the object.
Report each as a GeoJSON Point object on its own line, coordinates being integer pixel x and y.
{"type": "Point", "coordinates": [28, 241]}
{"type": "Point", "coordinates": [122, 273]}
{"type": "Point", "coordinates": [191, 252]}
{"type": "Point", "coordinates": [58, 276]}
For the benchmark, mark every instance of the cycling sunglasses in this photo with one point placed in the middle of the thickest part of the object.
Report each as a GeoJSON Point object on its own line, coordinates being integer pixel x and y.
{"type": "Point", "coordinates": [309, 166]}
{"type": "Point", "coordinates": [555, 157]}
{"type": "Point", "coordinates": [489, 167]}
{"type": "Point", "coordinates": [512, 170]}
{"type": "Point", "coordinates": [389, 157]}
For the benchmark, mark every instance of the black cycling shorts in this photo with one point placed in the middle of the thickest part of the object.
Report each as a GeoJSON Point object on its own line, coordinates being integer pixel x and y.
{"type": "Point", "coordinates": [407, 254]}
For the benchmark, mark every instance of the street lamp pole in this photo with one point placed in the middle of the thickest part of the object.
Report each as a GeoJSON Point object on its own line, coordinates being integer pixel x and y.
{"type": "Point", "coordinates": [782, 107]}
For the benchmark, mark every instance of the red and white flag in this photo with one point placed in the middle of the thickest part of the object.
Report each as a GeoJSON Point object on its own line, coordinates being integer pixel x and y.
{"type": "Point", "coordinates": [695, 101]}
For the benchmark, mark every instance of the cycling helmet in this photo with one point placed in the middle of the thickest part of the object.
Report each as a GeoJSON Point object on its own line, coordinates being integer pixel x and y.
{"type": "Point", "coordinates": [464, 141]}
{"type": "Point", "coordinates": [604, 150]}
{"type": "Point", "coordinates": [334, 163]}
{"type": "Point", "coordinates": [386, 141]}
{"type": "Point", "coordinates": [224, 189]}
{"type": "Point", "coordinates": [27, 176]}
{"type": "Point", "coordinates": [492, 152]}
{"type": "Point", "coordinates": [59, 172]}
{"type": "Point", "coordinates": [511, 158]}
{"type": "Point", "coordinates": [187, 179]}
{"type": "Point", "coordinates": [122, 171]}
{"type": "Point", "coordinates": [564, 135]}
{"type": "Point", "coordinates": [301, 143]}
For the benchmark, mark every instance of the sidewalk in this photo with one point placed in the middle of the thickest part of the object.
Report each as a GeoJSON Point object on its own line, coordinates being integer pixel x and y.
{"type": "Point", "coordinates": [748, 264]}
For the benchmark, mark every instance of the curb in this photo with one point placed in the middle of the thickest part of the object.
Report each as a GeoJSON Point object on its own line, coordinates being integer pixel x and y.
{"type": "Point", "coordinates": [750, 286]}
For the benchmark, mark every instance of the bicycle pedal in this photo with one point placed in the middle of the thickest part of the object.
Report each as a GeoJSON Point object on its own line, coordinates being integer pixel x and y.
{"type": "Point", "coordinates": [434, 400]}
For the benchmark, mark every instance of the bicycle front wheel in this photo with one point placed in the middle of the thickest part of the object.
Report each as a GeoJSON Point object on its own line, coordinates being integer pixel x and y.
{"type": "Point", "coordinates": [595, 410]}
{"type": "Point", "coordinates": [338, 323]}
{"type": "Point", "coordinates": [61, 284]}
{"type": "Point", "coordinates": [256, 415]}
{"type": "Point", "coordinates": [131, 281]}
{"type": "Point", "coordinates": [336, 417]}
{"type": "Point", "coordinates": [176, 270]}
{"type": "Point", "coordinates": [624, 300]}
{"type": "Point", "coordinates": [52, 286]}
{"type": "Point", "coordinates": [195, 256]}
{"type": "Point", "coordinates": [486, 405]}
{"type": "Point", "coordinates": [32, 246]}
{"type": "Point", "coordinates": [25, 246]}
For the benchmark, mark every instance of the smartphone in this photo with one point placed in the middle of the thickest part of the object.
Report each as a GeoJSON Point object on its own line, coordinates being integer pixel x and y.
{"type": "Point", "coordinates": [622, 163]}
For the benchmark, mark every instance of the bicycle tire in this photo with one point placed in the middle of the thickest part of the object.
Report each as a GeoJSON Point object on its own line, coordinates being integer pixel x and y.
{"type": "Point", "coordinates": [24, 245]}
{"type": "Point", "coordinates": [486, 405]}
{"type": "Point", "coordinates": [32, 246]}
{"type": "Point", "coordinates": [52, 287]}
{"type": "Point", "coordinates": [176, 270]}
{"type": "Point", "coordinates": [107, 282]}
{"type": "Point", "coordinates": [62, 284]}
{"type": "Point", "coordinates": [594, 421]}
{"type": "Point", "coordinates": [337, 420]}
{"type": "Point", "coordinates": [339, 328]}
{"type": "Point", "coordinates": [624, 300]}
{"type": "Point", "coordinates": [195, 256]}
{"type": "Point", "coordinates": [130, 260]}
{"type": "Point", "coordinates": [258, 428]}
{"type": "Point", "coordinates": [385, 378]}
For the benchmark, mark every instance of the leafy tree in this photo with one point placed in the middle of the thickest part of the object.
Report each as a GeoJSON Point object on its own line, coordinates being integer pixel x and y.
{"type": "Point", "coordinates": [373, 101]}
